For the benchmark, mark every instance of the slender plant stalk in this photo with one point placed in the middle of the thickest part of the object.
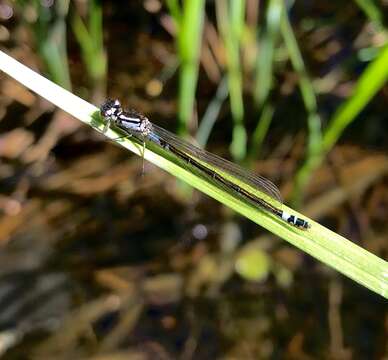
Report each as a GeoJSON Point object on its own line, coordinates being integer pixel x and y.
{"type": "Point", "coordinates": [318, 241]}
{"type": "Point", "coordinates": [371, 81]}
{"type": "Point", "coordinates": [189, 22]}
{"type": "Point", "coordinates": [90, 39]}
{"type": "Point", "coordinates": [314, 142]}
{"type": "Point", "coordinates": [264, 75]}
{"type": "Point", "coordinates": [211, 113]}
{"type": "Point", "coordinates": [50, 36]}
{"type": "Point", "coordinates": [230, 19]}
{"type": "Point", "coordinates": [372, 11]}
{"type": "Point", "coordinates": [175, 11]}
{"type": "Point", "coordinates": [262, 129]}
{"type": "Point", "coordinates": [267, 43]}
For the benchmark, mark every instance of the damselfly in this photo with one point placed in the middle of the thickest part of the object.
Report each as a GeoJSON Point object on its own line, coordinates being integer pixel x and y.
{"type": "Point", "coordinates": [257, 190]}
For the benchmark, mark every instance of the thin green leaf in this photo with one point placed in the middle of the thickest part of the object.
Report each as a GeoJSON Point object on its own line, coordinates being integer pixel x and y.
{"type": "Point", "coordinates": [230, 19]}
{"type": "Point", "coordinates": [371, 81]}
{"type": "Point", "coordinates": [211, 113]}
{"type": "Point", "coordinates": [372, 11]}
{"type": "Point", "coordinates": [189, 43]}
{"type": "Point", "coordinates": [313, 119]}
{"type": "Point", "coordinates": [90, 40]}
{"type": "Point", "coordinates": [267, 43]}
{"type": "Point", "coordinates": [261, 129]}
{"type": "Point", "coordinates": [175, 11]}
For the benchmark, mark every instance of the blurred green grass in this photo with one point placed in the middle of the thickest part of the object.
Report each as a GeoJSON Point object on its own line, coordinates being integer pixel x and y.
{"type": "Point", "coordinates": [271, 34]}
{"type": "Point", "coordinates": [49, 26]}
{"type": "Point", "coordinates": [49, 29]}
{"type": "Point", "coordinates": [238, 35]}
{"type": "Point", "coordinates": [256, 50]}
{"type": "Point", "coordinates": [231, 22]}
{"type": "Point", "coordinates": [277, 33]}
{"type": "Point", "coordinates": [90, 39]}
{"type": "Point", "coordinates": [188, 21]}
{"type": "Point", "coordinates": [275, 59]}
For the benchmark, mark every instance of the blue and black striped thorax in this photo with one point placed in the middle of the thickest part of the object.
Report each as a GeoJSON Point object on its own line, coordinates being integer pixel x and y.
{"type": "Point", "coordinates": [129, 120]}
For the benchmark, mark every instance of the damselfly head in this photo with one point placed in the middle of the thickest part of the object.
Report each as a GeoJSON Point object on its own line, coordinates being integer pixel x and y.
{"type": "Point", "coordinates": [111, 109]}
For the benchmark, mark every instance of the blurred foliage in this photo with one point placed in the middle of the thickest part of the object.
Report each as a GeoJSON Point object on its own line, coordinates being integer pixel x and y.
{"type": "Point", "coordinates": [98, 261]}
{"type": "Point", "coordinates": [230, 20]}
{"type": "Point", "coordinates": [90, 39]}
{"type": "Point", "coordinates": [49, 28]}
{"type": "Point", "coordinates": [188, 21]}
{"type": "Point", "coordinates": [232, 23]}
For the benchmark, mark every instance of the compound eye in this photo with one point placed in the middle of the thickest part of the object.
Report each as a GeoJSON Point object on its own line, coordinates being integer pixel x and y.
{"type": "Point", "coordinates": [111, 108]}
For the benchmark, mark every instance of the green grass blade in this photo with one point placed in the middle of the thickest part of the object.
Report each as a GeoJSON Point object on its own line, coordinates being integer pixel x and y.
{"type": "Point", "coordinates": [261, 130]}
{"type": "Point", "coordinates": [267, 43]}
{"type": "Point", "coordinates": [314, 142]}
{"type": "Point", "coordinates": [49, 31]}
{"type": "Point", "coordinates": [264, 75]}
{"type": "Point", "coordinates": [211, 113]}
{"type": "Point", "coordinates": [189, 37]}
{"type": "Point", "coordinates": [372, 11]}
{"type": "Point", "coordinates": [175, 11]}
{"type": "Point", "coordinates": [325, 245]}
{"type": "Point", "coordinates": [230, 20]}
{"type": "Point", "coordinates": [371, 81]}
{"type": "Point", "coordinates": [54, 54]}
{"type": "Point", "coordinates": [90, 40]}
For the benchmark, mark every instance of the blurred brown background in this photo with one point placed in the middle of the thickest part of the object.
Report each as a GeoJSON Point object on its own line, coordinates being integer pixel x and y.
{"type": "Point", "coordinates": [100, 261]}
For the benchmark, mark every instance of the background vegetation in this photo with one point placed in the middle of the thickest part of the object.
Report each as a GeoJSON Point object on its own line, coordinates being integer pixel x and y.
{"type": "Point", "coordinates": [97, 259]}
